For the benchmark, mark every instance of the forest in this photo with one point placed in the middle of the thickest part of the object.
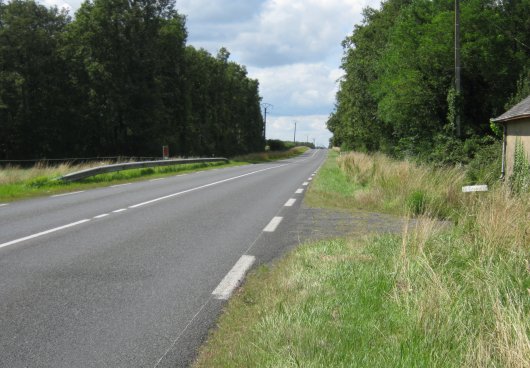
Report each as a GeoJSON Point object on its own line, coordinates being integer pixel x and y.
{"type": "Point", "coordinates": [397, 95]}
{"type": "Point", "coordinates": [118, 78]}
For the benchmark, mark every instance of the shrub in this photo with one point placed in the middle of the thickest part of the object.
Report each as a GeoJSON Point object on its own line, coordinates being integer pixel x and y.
{"type": "Point", "coordinates": [416, 202]}
{"type": "Point", "coordinates": [520, 179]}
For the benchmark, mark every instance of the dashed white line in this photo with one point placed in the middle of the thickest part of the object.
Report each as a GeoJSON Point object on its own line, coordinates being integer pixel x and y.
{"type": "Point", "coordinates": [157, 179]}
{"type": "Point", "coordinates": [233, 278]}
{"type": "Point", "coordinates": [309, 179]}
{"type": "Point", "coordinates": [134, 206]}
{"type": "Point", "coordinates": [305, 183]}
{"type": "Point", "coordinates": [120, 185]}
{"type": "Point", "coordinates": [67, 194]}
{"type": "Point", "coordinates": [43, 233]}
{"type": "Point", "coordinates": [271, 227]}
{"type": "Point", "coordinates": [3, 204]}
{"type": "Point", "coordinates": [203, 186]}
{"type": "Point", "coordinates": [299, 191]}
{"type": "Point", "coordinates": [290, 202]}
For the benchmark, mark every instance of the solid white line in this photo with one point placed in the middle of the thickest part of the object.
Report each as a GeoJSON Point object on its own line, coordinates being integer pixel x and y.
{"type": "Point", "coordinates": [305, 183]}
{"type": "Point", "coordinates": [101, 216]}
{"type": "Point", "coordinates": [66, 194]}
{"type": "Point", "coordinates": [202, 187]}
{"type": "Point", "coordinates": [43, 233]}
{"type": "Point", "coordinates": [271, 227]}
{"type": "Point", "coordinates": [120, 185]}
{"type": "Point", "coordinates": [290, 202]}
{"type": "Point", "coordinates": [299, 191]}
{"type": "Point", "coordinates": [120, 210]}
{"type": "Point", "coordinates": [233, 278]}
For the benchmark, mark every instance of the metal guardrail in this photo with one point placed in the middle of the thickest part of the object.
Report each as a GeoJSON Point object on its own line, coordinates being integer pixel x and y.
{"type": "Point", "coordinates": [78, 175]}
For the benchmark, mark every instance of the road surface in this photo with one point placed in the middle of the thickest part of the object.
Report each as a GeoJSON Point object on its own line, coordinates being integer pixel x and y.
{"type": "Point", "coordinates": [135, 275]}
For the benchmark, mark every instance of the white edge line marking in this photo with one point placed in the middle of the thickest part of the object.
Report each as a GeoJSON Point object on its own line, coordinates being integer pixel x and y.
{"type": "Point", "coordinates": [290, 202]}
{"type": "Point", "coordinates": [120, 210]}
{"type": "Point", "coordinates": [271, 227]}
{"type": "Point", "coordinates": [157, 179]}
{"type": "Point", "coordinates": [43, 233]}
{"type": "Point", "coordinates": [309, 179]}
{"type": "Point", "coordinates": [305, 183]}
{"type": "Point", "coordinates": [101, 216]}
{"type": "Point", "coordinates": [67, 194]}
{"type": "Point", "coordinates": [299, 191]}
{"type": "Point", "coordinates": [3, 204]}
{"type": "Point", "coordinates": [203, 186]}
{"type": "Point", "coordinates": [233, 278]}
{"type": "Point", "coordinates": [119, 185]}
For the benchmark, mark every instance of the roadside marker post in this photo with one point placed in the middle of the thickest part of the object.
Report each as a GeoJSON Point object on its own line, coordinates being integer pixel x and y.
{"type": "Point", "coordinates": [474, 188]}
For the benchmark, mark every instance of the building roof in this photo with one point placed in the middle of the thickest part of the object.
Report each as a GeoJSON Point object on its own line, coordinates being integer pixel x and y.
{"type": "Point", "coordinates": [519, 111]}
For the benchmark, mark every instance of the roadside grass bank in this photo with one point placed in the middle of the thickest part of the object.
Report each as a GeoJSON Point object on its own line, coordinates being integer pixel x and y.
{"type": "Point", "coordinates": [271, 155]}
{"type": "Point", "coordinates": [431, 297]}
{"type": "Point", "coordinates": [17, 183]}
{"type": "Point", "coordinates": [379, 183]}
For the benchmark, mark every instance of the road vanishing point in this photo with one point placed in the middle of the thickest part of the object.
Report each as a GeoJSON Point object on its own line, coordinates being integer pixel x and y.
{"type": "Point", "coordinates": [135, 275]}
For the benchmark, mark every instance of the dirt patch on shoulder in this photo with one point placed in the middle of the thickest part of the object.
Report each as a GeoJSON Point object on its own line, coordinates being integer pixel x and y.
{"type": "Point", "coordinates": [320, 223]}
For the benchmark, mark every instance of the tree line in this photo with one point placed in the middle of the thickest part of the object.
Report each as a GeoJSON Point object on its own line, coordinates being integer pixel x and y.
{"type": "Point", "coordinates": [397, 93]}
{"type": "Point", "coordinates": [118, 79]}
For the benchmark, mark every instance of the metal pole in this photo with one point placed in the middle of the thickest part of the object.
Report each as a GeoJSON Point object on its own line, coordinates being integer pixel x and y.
{"type": "Point", "coordinates": [294, 137]}
{"type": "Point", "coordinates": [266, 106]}
{"type": "Point", "coordinates": [458, 86]}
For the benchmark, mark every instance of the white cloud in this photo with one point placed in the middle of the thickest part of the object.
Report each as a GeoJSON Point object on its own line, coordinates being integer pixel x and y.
{"type": "Point", "coordinates": [308, 127]}
{"type": "Point", "coordinates": [291, 31]}
{"type": "Point", "coordinates": [298, 88]}
{"type": "Point", "coordinates": [58, 3]}
{"type": "Point", "coordinates": [219, 12]}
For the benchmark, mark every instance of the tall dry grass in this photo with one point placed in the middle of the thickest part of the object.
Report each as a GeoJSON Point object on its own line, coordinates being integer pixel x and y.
{"type": "Point", "coordinates": [271, 155]}
{"type": "Point", "coordinates": [403, 186]}
{"type": "Point", "coordinates": [17, 175]}
{"type": "Point", "coordinates": [468, 288]}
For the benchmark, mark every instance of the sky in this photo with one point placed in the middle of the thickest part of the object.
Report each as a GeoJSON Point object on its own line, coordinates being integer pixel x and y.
{"type": "Point", "coordinates": [292, 47]}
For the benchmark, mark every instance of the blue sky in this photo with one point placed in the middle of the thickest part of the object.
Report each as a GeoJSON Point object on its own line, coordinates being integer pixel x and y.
{"type": "Point", "coordinates": [293, 47]}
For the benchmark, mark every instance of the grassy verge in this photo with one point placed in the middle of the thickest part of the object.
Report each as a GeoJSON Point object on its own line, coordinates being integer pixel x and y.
{"type": "Point", "coordinates": [26, 183]}
{"type": "Point", "coordinates": [432, 297]}
{"type": "Point", "coordinates": [271, 155]}
{"type": "Point", "coordinates": [16, 183]}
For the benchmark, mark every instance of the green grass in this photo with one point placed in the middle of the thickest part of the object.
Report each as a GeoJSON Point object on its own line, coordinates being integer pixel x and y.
{"type": "Point", "coordinates": [332, 188]}
{"type": "Point", "coordinates": [49, 184]}
{"type": "Point", "coordinates": [436, 296]}
{"type": "Point", "coordinates": [18, 183]}
{"type": "Point", "coordinates": [324, 305]}
{"type": "Point", "coordinates": [271, 155]}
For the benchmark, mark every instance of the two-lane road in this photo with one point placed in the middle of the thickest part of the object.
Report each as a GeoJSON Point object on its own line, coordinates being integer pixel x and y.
{"type": "Point", "coordinates": [134, 275]}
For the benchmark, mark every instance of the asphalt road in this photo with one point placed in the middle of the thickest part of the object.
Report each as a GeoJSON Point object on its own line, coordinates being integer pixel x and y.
{"type": "Point", "coordinates": [132, 275]}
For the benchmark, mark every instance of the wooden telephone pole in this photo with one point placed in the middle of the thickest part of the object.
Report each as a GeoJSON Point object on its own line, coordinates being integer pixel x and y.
{"type": "Point", "coordinates": [458, 85]}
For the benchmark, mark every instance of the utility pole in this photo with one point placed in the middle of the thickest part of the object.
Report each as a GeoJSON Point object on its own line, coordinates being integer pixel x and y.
{"type": "Point", "coordinates": [265, 106]}
{"type": "Point", "coordinates": [458, 86]}
{"type": "Point", "coordinates": [294, 137]}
